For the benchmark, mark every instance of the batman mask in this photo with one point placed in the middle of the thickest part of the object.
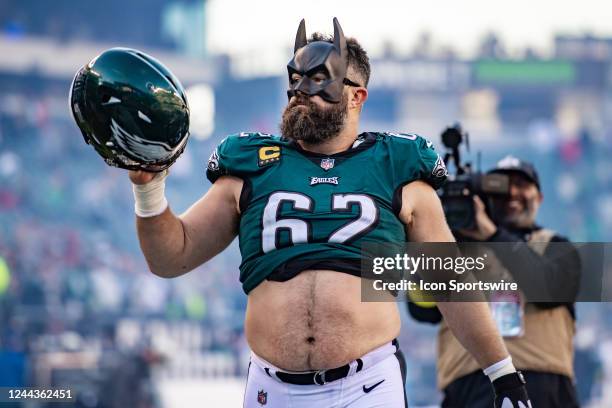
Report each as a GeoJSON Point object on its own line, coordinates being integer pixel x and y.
{"type": "Point", "coordinates": [316, 58]}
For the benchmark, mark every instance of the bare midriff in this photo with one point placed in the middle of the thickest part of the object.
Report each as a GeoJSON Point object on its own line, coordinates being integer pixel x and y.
{"type": "Point", "coordinates": [317, 321]}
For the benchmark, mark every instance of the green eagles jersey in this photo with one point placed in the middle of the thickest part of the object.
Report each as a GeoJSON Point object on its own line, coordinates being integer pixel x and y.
{"type": "Point", "coordinates": [303, 210]}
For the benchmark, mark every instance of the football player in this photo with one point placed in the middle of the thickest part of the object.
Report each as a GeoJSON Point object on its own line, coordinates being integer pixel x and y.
{"type": "Point", "coordinates": [302, 205]}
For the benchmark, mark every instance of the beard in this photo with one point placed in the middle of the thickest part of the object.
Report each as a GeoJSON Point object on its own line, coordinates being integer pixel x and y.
{"type": "Point", "coordinates": [523, 217]}
{"type": "Point", "coordinates": [305, 121]}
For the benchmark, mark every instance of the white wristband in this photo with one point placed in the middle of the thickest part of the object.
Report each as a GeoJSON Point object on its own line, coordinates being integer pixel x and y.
{"type": "Point", "coordinates": [150, 199]}
{"type": "Point", "coordinates": [500, 369]}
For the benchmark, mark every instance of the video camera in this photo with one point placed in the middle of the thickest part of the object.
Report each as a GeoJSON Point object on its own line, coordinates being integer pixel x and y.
{"type": "Point", "coordinates": [458, 192]}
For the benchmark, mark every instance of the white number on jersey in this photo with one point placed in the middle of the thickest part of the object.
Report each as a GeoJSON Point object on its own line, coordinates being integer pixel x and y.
{"type": "Point", "coordinates": [299, 230]}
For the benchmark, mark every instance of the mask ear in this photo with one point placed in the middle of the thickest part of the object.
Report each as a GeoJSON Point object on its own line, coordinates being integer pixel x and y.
{"type": "Point", "coordinates": [340, 41]}
{"type": "Point", "coordinates": [300, 37]}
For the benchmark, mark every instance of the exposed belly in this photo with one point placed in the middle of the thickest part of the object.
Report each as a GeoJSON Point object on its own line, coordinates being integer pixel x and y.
{"type": "Point", "coordinates": [316, 321]}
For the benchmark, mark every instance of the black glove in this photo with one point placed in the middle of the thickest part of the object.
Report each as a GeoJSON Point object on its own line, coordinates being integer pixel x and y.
{"type": "Point", "coordinates": [510, 391]}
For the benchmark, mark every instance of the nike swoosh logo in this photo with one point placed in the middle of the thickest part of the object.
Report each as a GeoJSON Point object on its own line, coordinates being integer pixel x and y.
{"type": "Point", "coordinates": [368, 389]}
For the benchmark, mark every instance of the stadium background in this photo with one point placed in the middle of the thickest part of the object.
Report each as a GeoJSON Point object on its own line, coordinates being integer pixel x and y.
{"type": "Point", "coordinates": [77, 306]}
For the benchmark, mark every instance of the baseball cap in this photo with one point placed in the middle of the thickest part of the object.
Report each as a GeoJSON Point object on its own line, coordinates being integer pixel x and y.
{"type": "Point", "coordinates": [511, 164]}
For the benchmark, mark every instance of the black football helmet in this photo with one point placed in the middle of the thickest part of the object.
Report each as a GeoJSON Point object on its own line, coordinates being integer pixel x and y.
{"type": "Point", "coordinates": [131, 109]}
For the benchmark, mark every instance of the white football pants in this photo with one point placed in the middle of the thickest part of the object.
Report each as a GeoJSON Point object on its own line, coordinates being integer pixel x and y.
{"type": "Point", "coordinates": [379, 383]}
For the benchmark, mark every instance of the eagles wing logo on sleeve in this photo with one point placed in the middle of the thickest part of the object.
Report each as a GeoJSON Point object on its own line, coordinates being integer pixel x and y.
{"type": "Point", "coordinates": [213, 161]}
{"type": "Point", "coordinates": [439, 169]}
{"type": "Point", "coordinates": [142, 149]}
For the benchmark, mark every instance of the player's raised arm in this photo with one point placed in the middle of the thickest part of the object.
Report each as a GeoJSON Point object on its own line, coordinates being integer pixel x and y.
{"type": "Point", "coordinates": [175, 245]}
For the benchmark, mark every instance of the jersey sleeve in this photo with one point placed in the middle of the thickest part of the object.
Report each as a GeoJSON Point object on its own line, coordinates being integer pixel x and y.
{"type": "Point", "coordinates": [237, 155]}
{"type": "Point", "coordinates": [415, 158]}
{"type": "Point", "coordinates": [432, 167]}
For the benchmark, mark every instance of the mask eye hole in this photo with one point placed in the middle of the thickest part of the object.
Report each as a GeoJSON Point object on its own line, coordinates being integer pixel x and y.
{"type": "Point", "coordinates": [294, 78]}
{"type": "Point", "coordinates": [319, 78]}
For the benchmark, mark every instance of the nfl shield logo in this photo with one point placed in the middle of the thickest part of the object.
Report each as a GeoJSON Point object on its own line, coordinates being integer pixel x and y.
{"type": "Point", "coordinates": [327, 164]}
{"type": "Point", "coordinates": [262, 397]}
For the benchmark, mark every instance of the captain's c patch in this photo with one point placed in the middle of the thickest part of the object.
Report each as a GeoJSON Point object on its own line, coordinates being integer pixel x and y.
{"type": "Point", "coordinates": [268, 154]}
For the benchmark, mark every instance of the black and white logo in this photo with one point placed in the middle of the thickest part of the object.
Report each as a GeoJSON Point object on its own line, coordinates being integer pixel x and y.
{"type": "Point", "coordinates": [439, 169]}
{"type": "Point", "coordinates": [324, 180]}
{"type": "Point", "coordinates": [213, 161]}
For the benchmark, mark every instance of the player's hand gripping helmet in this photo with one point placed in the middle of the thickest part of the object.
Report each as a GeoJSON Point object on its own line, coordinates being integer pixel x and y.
{"type": "Point", "coordinates": [131, 109]}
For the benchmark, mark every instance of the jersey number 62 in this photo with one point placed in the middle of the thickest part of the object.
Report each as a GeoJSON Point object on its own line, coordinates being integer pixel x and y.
{"type": "Point", "coordinates": [299, 230]}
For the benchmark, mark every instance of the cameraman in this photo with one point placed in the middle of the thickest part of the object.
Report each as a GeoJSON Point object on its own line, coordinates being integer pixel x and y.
{"type": "Point", "coordinates": [543, 350]}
